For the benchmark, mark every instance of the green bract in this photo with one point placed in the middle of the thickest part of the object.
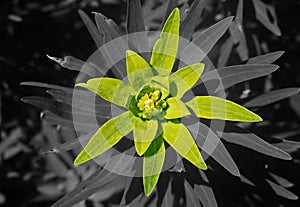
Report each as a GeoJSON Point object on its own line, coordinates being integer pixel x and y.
{"type": "Point", "coordinates": [153, 99]}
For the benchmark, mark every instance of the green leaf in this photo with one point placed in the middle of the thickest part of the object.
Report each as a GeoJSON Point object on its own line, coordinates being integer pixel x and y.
{"type": "Point", "coordinates": [210, 143]}
{"type": "Point", "coordinates": [117, 47]}
{"type": "Point", "coordinates": [281, 191]}
{"type": "Point", "coordinates": [76, 64]}
{"type": "Point", "coordinates": [136, 26]}
{"type": "Point", "coordinates": [106, 137]}
{"type": "Point", "coordinates": [184, 79]}
{"type": "Point", "coordinates": [205, 193]}
{"type": "Point", "coordinates": [252, 141]}
{"type": "Point", "coordinates": [138, 70]}
{"type": "Point", "coordinates": [105, 27]}
{"type": "Point", "coordinates": [238, 34]}
{"type": "Point", "coordinates": [96, 35]}
{"type": "Point", "coordinates": [176, 109]}
{"type": "Point", "coordinates": [161, 82]}
{"type": "Point", "coordinates": [272, 97]}
{"type": "Point", "coordinates": [53, 119]}
{"type": "Point", "coordinates": [190, 194]}
{"type": "Point", "coordinates": [288, 146]}
{"type": "Point", "coordinates": [225, 52]}
{"type": "Point", "coordinates": [110, 89]}
{"type": "Point", "coordinates": [232, 75]}
{"type": "Point", "coordinates": [153, 162]}
{"type": "Point", "coordinates": [211, 107]}
{"type": "Point", "coordinates": [46, 85]}
{"type": "Point", "coordinates": [82, 100]}
{"type": "Point", "coordinates": [72, 144]}
{"type": "Point", "coordinates": [178, 136]}
{"type": "Point", "coordinates": [100, 177]}
{"type": "Point", "coordinates": [165, 49]}
{"type": "Point", "coordinates": [143, 132]}
{"type": "Point", "coordinates": [61, 109]}
{"type": "Point", "coordinates": [282, 181]}
{"type": "Point", "coordinates": [266, 58]}
{"type": "Point", "coordinates": [172, 4]}
{"type": "Point", "coordinates": [205, 41]}
{"type": "Point", "coordinates": [262, 13]}
{"type": "Point", "coordinates": [190, 22]}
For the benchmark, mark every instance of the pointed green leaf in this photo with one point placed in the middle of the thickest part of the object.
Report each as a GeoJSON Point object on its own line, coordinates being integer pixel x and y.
{"type": "Point", "coordinates": [225, 52]}
{"type": "Point", "coordinates": [210, 143]}
{"type": "Point", "coordinates": [68, 62]}
{"type": "Point", "coordinates": [61, 109]}
{"type": "Point", "coordinates": [272, 97]}
{"type": "Point", "coordinates": [76, 64]}
{"type": "Point", "coordinates": [184, 79]}
{"type": "Point", "coordinates": [176, 109]}
{"type": "Point", "coordinates": [282, 181]}
{"type": "Point", "coordinates": [100, 177]}
{"type": "Point", "coordinates": [84, 101]}
{"type": "Point", "coordinates": [237, 32]}
{"type": "Point", "coordinates": [117, 47]}
{"type": "Point", "coordinates": [153, 162]}
{"type": "Point", "coordinates": [190, 194]}
{"type": "Point", "coordinates": [72, 144]}
{"type": "Point", "coordinates": [178, 136]}
{"type": "Point", "coordinates": [211, 107]}
{"type": "Point", "coordinates": [144, 132]}
{"type": "Point", "coordinates": [205, 193]}
{"type": "Point", "coordinates": [110, 89]}
{"type": "Point", "coordinates": [262, 13]}
{"type": "Point", "coordinates": [190, 22]}
{"type": "Point", "coordinates": [252, 141]}
{"type": "Point", "coordinates": [266, 58]}
{"type": "Point", "coordinates": [106, 137]}
{"type": "Point", "coordinates": [46, 85]}
{"type": "Point", "coordinates": [288, 146]}
{"type": "Point", "coordinates": [136, 26]}
{"type": "Point", "coordinates": [161, 82]}
{"type": "Point", "coordinates": [138, 70]}
{"type": "Point", "coordinates": [205, 41]}
{"type": "Point", "coordinates": [172, 4]}
{"type": "Point", "coordinates": [53, 119]}
{"type": "Point", "coordinates": [281, 191]}
{"type": "Point", "coordinates": [232, 75]}
{"type": "Point", "coordinates": [96, 35]}
{"type": "Point", "coordinates": [105, 27]}
{"type": "Point", "coordinates": [165, 49]}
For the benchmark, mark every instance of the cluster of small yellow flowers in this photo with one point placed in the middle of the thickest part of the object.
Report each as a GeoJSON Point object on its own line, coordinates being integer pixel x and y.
{"type": "Point", "coordinates": [151, 105]}
{"type": "Point", "coordinates": [148, 101]}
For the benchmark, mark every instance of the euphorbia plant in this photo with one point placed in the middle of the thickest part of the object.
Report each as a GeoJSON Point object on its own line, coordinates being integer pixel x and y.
{"type": "Point", "coordinates": [152, 97]}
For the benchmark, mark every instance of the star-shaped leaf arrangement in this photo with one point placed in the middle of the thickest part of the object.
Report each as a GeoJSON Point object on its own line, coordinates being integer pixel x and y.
{"type": "Point", "coordinates": [152, 97]}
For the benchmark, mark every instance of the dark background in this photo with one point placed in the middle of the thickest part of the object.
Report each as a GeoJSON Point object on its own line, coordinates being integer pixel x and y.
{"type": "Point", "coordinates": [31, 29]}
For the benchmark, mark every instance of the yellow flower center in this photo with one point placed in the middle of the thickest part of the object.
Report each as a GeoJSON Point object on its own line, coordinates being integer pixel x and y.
{"type": "Point", "coordinates": [148, 101]}
{"type": "Point", "coordinates": [150, 104]}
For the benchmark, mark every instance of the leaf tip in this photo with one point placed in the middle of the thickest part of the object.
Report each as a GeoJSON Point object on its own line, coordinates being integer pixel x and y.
{"type": "Point", "coordinates": [202, 165]}
{"type": "Point", "coordinates": [24, 99]}
{"type": "Point", "coordinates": [139, 152]}
{"type": "Point", "coordinates": [229, 19]}
{"type": "Point", "coordinates": [258, 118]}
{"type": "Point", "coordinates": [286, 156]}
{"type": "Point", "coordinates": [80, 84]}
{"type": "Point", "coordinates": [56, 59]}
{"type": "Point", "coordinates": [129, 53]}
{"type": "Point", "coordinates": [148, 190]}
{"type": "Point", "coordinates": [77, 161]}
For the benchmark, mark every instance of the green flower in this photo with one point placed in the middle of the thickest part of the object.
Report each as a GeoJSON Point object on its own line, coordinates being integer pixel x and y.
{"type": "Point", "coordinates": [152, 98]}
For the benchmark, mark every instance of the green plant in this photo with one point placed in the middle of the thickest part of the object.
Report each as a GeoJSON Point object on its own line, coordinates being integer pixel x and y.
{"type": "Point", "coordinates": [194, 190]}
{"type": "Point", "coordinates": [152, 98]}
